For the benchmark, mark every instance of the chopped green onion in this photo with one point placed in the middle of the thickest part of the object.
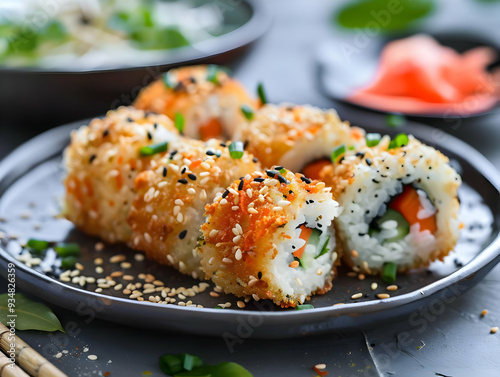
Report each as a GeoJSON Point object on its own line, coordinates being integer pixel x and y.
{"type": "Point", "coordinates": [372, 140]}
{"type": "Point", "coordinates": [236, 149]}
{"type": "Point", "coordinates": [218, 307]}
{"type": "Point", "coordinates": [247, 112]}
{"type": "Point", "coordinates": [179, 122]}
{"type": "Point", "coordinates": [337, 152]}
{"type": "Point", "coordinates": [351, 147]}
{"type": "Point", "coordinates": [213, 73]}
{"type": "Point", "coordinates": [282, 171]}
{"type": "Point", "coordinates": [324, 249]}
{"type": "Point", "coordinates": [395, 120]}
{"type": "Point", "coordinates": [261, 93]}
{"type": "Point", "coordinates": [171, 364]}
{"type": "Point", "coordinates": [399, 141]}
{"type": "Point", "coordinates": [389, 273]}
{"type": "Point", "coordinates": [190, 361]}
{"type": "Point", "coordinates": [67, 249]}
{"type": "Point", "coordinates": [37, 245]}
{"type": "Point", "coordinates": [68, 263]}
{"type": "Point", "coordinates": [168, 80]}
{"type": "Point", "coordinates": [152, 149]}
{"type": "Point", "coordinates": [304, 307]}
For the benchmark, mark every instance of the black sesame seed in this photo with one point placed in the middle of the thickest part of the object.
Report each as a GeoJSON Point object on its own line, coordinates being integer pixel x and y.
{"type": "Point", "coordinates": [164, 171]}
{"type": "Point", "coordinates": [155, 125]}
{"type": "Point", "coordinates": [375, 181]}
{"type": "Point", "coordinates": [182, 234]}
{"type": "Point", "coordinates": [360, 154]}
{"type": "Point", "coordinates": [283, 179]}
{"type": "Point", "coordinates": [92, 158]}
{"type": "Point", "coordinates": [105, 133]}
{"type": "Point", "coordinates": [240, 186]}
{"type": "Point", "coordinates": [210, 153]}
{"type": "Point", "coordinates": [259, 275]}
{"type": "Point", "coordinates": [359, 190]}
{"type": "Point", "coordinates": [271, 173]}
{"type": "Point", "coordinates": [311, 201]}
{"type": "Point", "coordinates": [290, 192]}
{"type": "Point", "coordinates": [304, 179]}
{"type": "Point", "coordinates": [319, 225]}
{"type": "Point", "coordinates": [293, 247]}
{"type": "Point", "coordinates": [383, 175]}
{"type": "Point", "coordinates": [223, 145]}
{"type": "Point", "coordinates": [183, 181]}
{"type": "Point", "coordinates": [259, 179]}
{"type": "Point", "coordinates": [150, 137]}
{"type": "Point", "coordinates": [278, 167]}
{"type": "Point", "coordinates": [387, 167]}
{"type": "Point", "coordinates": [255, 159]}
{"type": "Point", "coordinates": [367, 212]}
{"type": "Point", "coordinates": [130, 120]}
{"type": "Point", "coordinates": [184, 169]}
{"type": "Point", "coordinates": [369, 161]}
{"type": "Point", "coordinates": [192, 177]}
{"type": "Point", "coordinates": [430, 167]}
{"type": "Point", "coordinates": [341, 159]}
{"type": "Point", "coordinates": [226, 193]}
{"type": "Point", "coordinates": [173, 153]}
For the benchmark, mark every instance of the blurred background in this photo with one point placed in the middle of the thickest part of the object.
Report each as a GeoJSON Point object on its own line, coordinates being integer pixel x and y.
{"type": "Point", "coordinates": [68, 60]}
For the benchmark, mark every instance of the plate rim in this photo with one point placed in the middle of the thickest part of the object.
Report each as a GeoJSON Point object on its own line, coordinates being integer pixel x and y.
{"type": "Point", "coordinates": [489, 256]}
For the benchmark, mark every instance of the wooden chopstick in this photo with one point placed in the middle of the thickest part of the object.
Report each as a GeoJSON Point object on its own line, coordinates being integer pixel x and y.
{"type": "Point", "coordinates": [30, 360]}
{"type": "Point", "coordinates": [7, 369]}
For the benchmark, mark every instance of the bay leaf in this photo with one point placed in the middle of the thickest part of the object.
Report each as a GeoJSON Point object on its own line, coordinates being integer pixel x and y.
{"type": "Point", "coordinates": [31, 315]}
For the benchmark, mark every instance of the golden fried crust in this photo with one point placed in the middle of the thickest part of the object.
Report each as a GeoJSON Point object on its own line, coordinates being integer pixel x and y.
{"type": "Point", "coordinates": [277, 130]}
{"type": "Point", "coordinates": [168, 210]}
{"type": "Point", "coordinates": [240, 264]}
{"type": "Point", "coordinates": [193, 96]}
{"type": "Point", "coordinates": [341, 175]}
{"type": "Point", "coordinates": [101, 164]}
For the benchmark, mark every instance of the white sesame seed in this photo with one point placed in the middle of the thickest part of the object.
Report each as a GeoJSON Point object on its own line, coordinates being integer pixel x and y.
{"type": "Point", "coordinates": [170, 259]}
{"type": "Point", "coordinates": [238, 255]}
{"type": "Point", "coordinates": [227, 261]}
{"type": "Point", "coordinates": [180, 217]}
{"type": "Point", "coordinates": [271, 182]}
{"type": "Point", "coordinates": [298, 281]}
{"type": "Point", "coordinates": [240, 304]}
{"type": "Point", "coordinates": [213, 232]}
{"type": "Point", "coordinates": [255, 297]}
{"type": "Point", "coordinates": [162, 184]}
{"type": "Point", "coordinates": [210, 260]}
{"type": "Point", "coordinates": [191, 191]}
{"type": "Point", "coordinates": [235, 208]}
{"type": "Point", "coordinates": [179, 202]}
{"type": "Point", "coordinates": [232, 191]}
{"type": "Point", "coordinates": [182, 266]}
{"type": "Point", "coordinates": [276, 209]}
{"type": "Point", "coordinates": [204, 181]}
{"type": "Point", "coordinates": [374, 286]}
{"type": "Point", "coordinates": [240, 229]}
{"type": "Point", "coordinates": [320, 366]}
{"type": "Point", "coordinates": [204, 174]}
{"type": "Point", "coordinates": [147, 237]}
{"type": "Point", "coordinates": [92, 357]}
{"type": "Point", "coordinates": [236, 239]}
{"type": "Point", "coordinates": [139, 257]}
{"type": "Point", "coordinates": [205, 165]}
{"type": "Point", "coordinates": [249, 193]}
{"type": "Point", "coordinates": [203, 195]}
{"type": "Point", "coordinates": [252, 210]}
{"type": "Point", "coordinates": [356, 296]}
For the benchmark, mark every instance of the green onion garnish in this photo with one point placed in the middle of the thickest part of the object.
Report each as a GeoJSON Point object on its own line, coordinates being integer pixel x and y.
{"type": "Point", "coordinates": [261, 93]}
{"type": "Point", "coordinates": [37, 245]}
{"type": "Point", "coordinates": [389, 273]}
{"type": "Point", "coordinates": [399, 141]}
{"type": "Point", "coordinates": [337, 152]}
{"type": "Point", "coordinates": [236, 149]}
{"type": "Point", "coordinates": [247, 112]}
{"type": "Point", "coordinates": [67, 249]}
{"type": "Point", "coordinates": [168, 80]}
{"type": "Point", "coordinates": [304, 307]}
{"type": "Point", "coordinates": [218, 307]}
{"type": "Point", "coordinates": [395, 120]}
{"type": "Point", "coordinates": [372, 139]}
{"type": "Point", "coordinates": [152, 149]}
{"type": "Point", "coordinates": [179, 122]}
{"type": "Point", "coordinates": [213, 73]}
{"type": "Point", "coordinates": [282, 171]}
{"type": "Point", "coordinates": [190, 361]}
{"type": "Point", "coordinates": [68, 263]}
{"type": "Point", "coordinates": [171, 364]}
{"type": "Point", "coordinates": [351, 147]}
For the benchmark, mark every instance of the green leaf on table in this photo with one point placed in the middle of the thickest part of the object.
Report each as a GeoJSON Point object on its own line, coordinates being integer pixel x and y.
{"type": "Point", "coordinates": [31, 315]}
{"type": "Point", "coordinates": [382, 15]}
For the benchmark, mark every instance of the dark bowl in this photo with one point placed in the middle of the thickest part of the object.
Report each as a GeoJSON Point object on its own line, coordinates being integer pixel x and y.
{"type": "Point", "coordinates": [41, 97]}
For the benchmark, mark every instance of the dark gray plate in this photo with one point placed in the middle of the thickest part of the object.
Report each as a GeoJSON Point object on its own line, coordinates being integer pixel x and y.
{"type": "Point", "coordinates": [30, 186]}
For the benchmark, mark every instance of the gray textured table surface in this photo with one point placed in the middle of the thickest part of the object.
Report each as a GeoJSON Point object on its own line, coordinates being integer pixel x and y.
{"type": "Point", "coordinates": [450, 340]}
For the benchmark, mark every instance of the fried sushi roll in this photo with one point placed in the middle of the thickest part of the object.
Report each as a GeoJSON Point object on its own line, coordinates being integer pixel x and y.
{"type": "Point", "coordinates": [296, 136]}
{"type": "Point", "coordinates": [400, 204]}
{"type": "Point", "coordinates": [169, 208]}
{"type": "Point", "coordinates": [271, 237]}
{"type": "Point", "coordinates": [205, 97]}
{"type": "Point", "coordinates": [102, 162]}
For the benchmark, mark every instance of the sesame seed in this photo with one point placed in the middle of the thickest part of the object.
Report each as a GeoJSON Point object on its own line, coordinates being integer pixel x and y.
{"type": "Point", "coordinates": [294, 264]}
{"type": "Point", "coordinates": [236, 239]}
{"type": "Point", "coordinates": [238, 255]}
{"type": "Point", "coordinates": [235, 208]}
{"type": "Point", "coordinates": [354, 253]}
{"type": "Point", "coordinates": [192, 177]}
{"type": "Point", "coordinates": [232, 191]}
{"type": "Point", "coordinates": [320, 366]}
{"type": "Point", "coordinates": [298, 281]}
{"type": "Point", "coordinates": [252, 210]}
{"type": "Point", "coordinates": [493, 330]}
{"type": "Point", "coordinates": [255, 297]}
{"type": "Point", "coordinates": [214, 294]}
{"type": "Point", "coordinates": [284, 203]}
{"type": "Point", "coordinates": [277, 209]}
{"type": "Point", "coordinates": [170, 259]}
{"type": "Point", "coordinates": [182, 234]}
{"type": "Point", "coordinates": [180, 217]}
{"type": "Point", "coordinates": [116, 274]}
{"type": "Point", "coordinates": [319, 271]}
{"type": "Point", "coordinates": [191, 191]}
{"type": "Point", "coordinates": [356, 296]}
{"type": "Point", "coordinates": [118, 287]}
{"type": "Point", "coordinates": [147, 237]}
{"type": "Point", "coordinates": [392, 287]}
{"type": "Point", "coordinates": [383, 295]}
{"type": "Point", "coordinates": [183, 181]}
{"type": "Point", "coordinates": [227, 261]}
{"type": "Point", "coordinates": [249, 193]}
{"type": "Point", "coordinates": [98, 261]}
{"type": "Point", "coordinates": [252, 282]}
{"type": "Point", "coordinates": [240, 304]}
{"type": "Point", "coordinates": [92, 357]}
{"type": "Point", "coordinates": [361, 277]}
{"type": "Point", "coordinates": [484, 312]}
{"type": "Point", "coordinates": [374, 286]}
{"type": "Point", "coordinates": [139, 257]}
{"type": "Point", "coordinates": [210, 260]}
{"type": "Point", "coordinates": [125, 265]}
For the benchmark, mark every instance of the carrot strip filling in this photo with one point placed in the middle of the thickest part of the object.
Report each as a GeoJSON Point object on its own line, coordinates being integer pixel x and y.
{"type": "Point", "coordinates": [408, 204]}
